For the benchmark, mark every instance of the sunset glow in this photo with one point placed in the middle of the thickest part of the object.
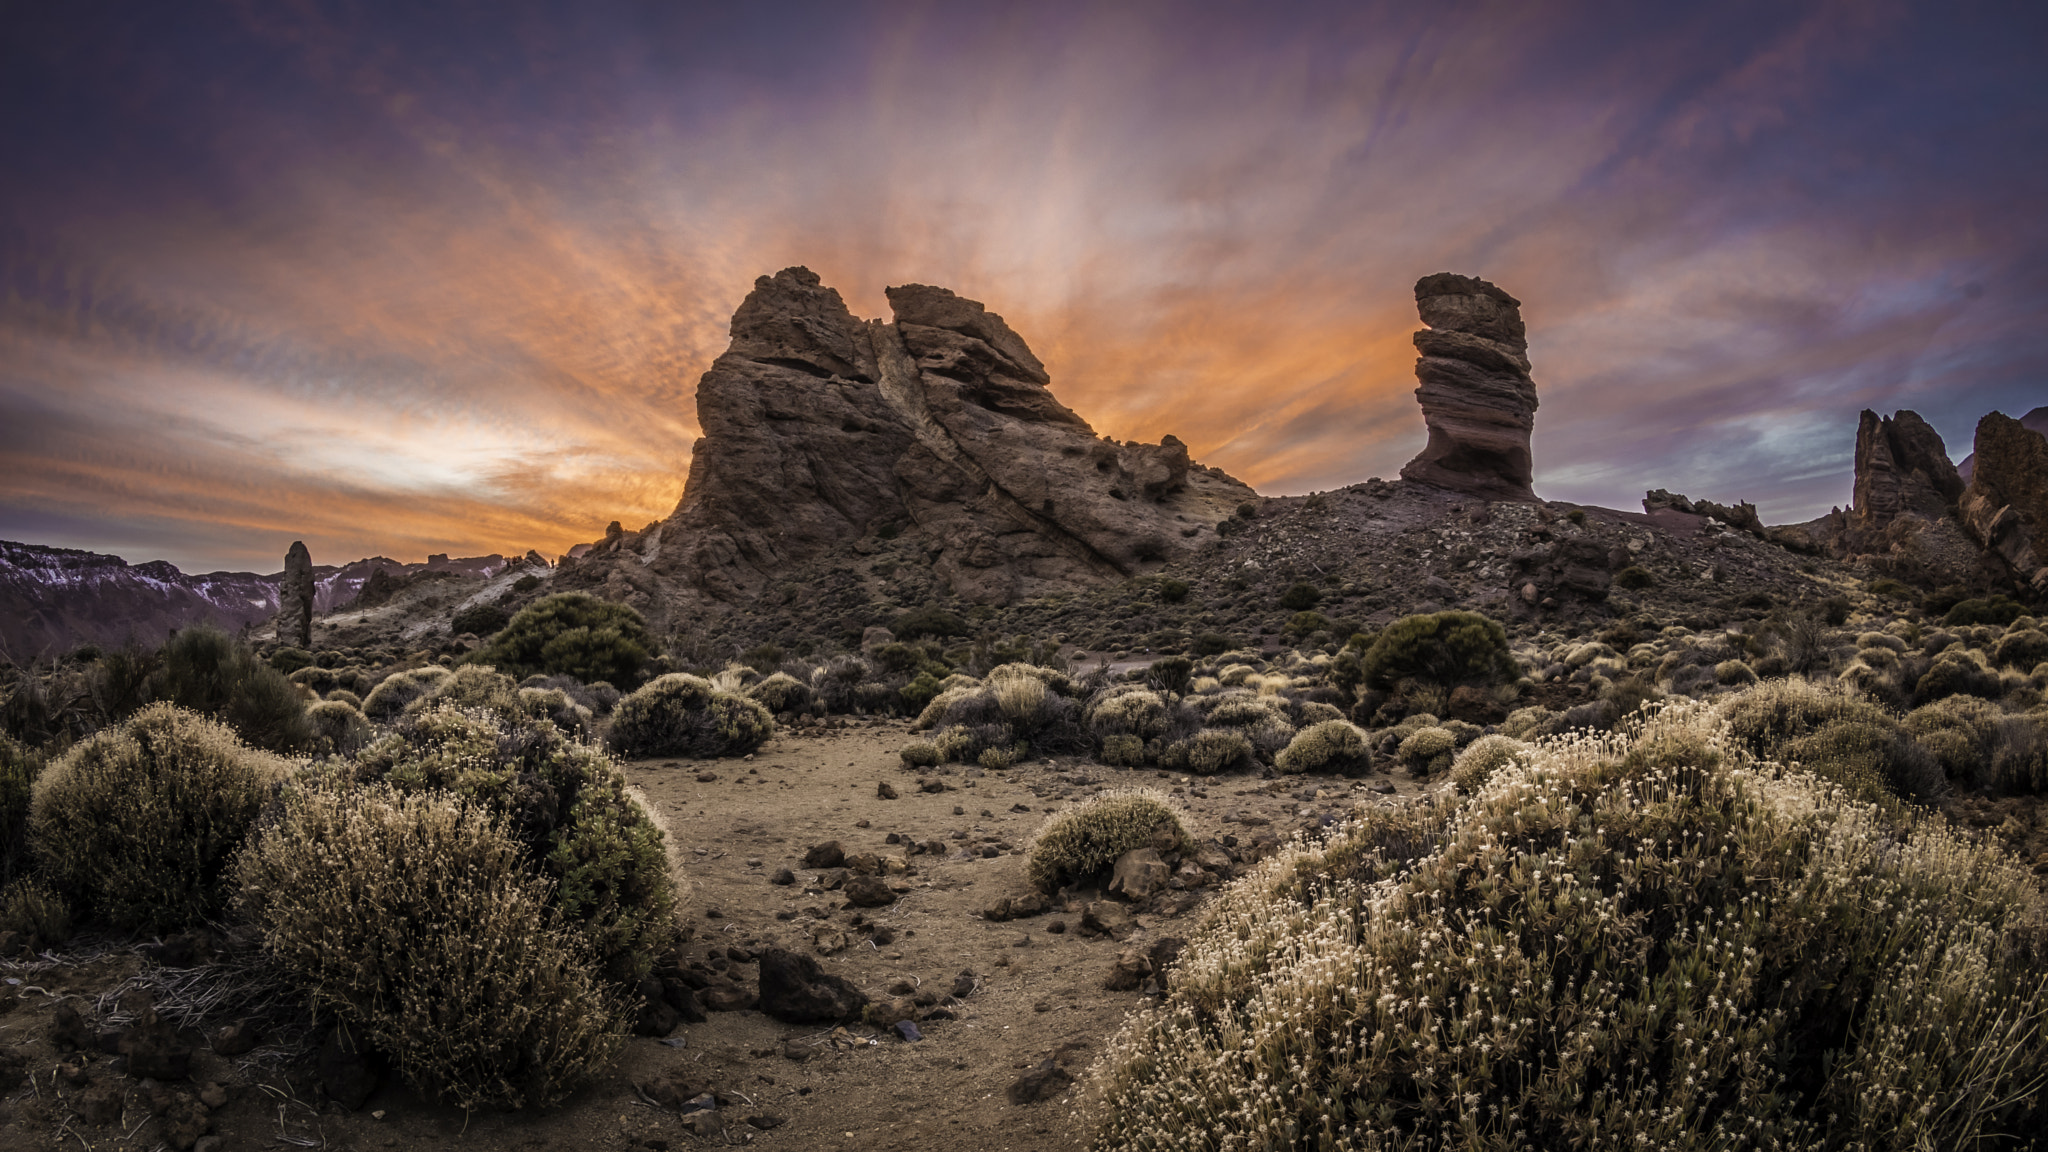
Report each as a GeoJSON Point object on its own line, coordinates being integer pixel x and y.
{"type": "Point", "coordinates": [393, 283]}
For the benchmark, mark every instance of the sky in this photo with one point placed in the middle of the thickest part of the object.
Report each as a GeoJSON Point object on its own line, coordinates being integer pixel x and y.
{"type": "Point", "coordinates": [401, 278]}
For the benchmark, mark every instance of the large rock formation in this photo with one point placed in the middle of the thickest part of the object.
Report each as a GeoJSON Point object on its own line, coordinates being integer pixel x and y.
{"type": "Point", "coordinates": [1477, 397]}
{"type": "Point", "coordinates": [295, 598]}
{"type": "Point", "coordinates": [2006, 505]}
{"type": "Point", "coordinates": [2036, 420]}
{"type": "Point", "coordinates": [1902, 467]}
{"type": "Point", "coordinates": [822, 430]}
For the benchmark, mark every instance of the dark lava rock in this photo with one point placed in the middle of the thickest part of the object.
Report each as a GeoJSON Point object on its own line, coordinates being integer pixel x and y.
{"type": "Point", "coordinates": [885, 790]}
{"type": "Point", "coordinates": [868, 892]}
{"type": "Point", "coordinates": [154, 1052]}
{"type": "Point", "coordinates": [236, 1038]}
{"type": "Point", "coordinates": [783, 876]}
{"type": "Point", "coordinates": [67, 1031]}
{"type": "Point", "coordinates": [657, 1016]}
{"type": "Point", "coordinates": [1104, 918]}
{"type": "Point", "coordinates": [346, 1070]}
{"type": "Point", "coordinates": [826, 855]}
{"type": "Point", "coordinates": [796, 990]}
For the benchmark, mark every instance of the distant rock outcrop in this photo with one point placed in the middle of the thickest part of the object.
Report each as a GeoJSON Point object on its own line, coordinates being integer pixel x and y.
{"type": "Point", "coordinates": [295, 598]}
{"type": "Point", "coordinates": [2037, 420]}
{"type": "Point", "coordinates": [1901, 467]}
{"type": "Point", "coordinates": [1477, 397]}
{"type": "Point", "coordinates": [2006, 505]}
{"type": "Point", "coordinates": [822, 430]}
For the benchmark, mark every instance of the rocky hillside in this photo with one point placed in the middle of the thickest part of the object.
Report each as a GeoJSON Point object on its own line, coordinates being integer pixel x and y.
{"type": "Point", "coordinates": [54, 599]}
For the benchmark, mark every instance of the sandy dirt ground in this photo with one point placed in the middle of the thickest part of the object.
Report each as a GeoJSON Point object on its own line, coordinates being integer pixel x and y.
{"type": "Point", "coordinates": [1035, 987]}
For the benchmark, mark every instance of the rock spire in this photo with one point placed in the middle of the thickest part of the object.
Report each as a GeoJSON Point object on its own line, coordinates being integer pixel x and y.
{"type": "Point", "coordinates": [1476, 393]}
{"type": "Point", "coordinates": [295, 598]}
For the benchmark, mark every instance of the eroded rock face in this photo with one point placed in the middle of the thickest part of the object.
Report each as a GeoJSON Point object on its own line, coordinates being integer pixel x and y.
{"type": "Point", "coordinates": [821, 429]}
{"type": "Point", "coordinates": [1901, 466]}
{"type": "Point", "coordinates": [2006, 505]}
{"type": "Point", "coordinates": [1477, 397]}
{"type": "Point", "coordinates": [295, 598]}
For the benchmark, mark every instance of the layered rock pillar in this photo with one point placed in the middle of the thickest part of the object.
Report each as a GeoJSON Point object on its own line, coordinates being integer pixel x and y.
{"type": "Point", "coordinates": [1477, 396]}
{"type": "Point", "coordinates": [295, 598]}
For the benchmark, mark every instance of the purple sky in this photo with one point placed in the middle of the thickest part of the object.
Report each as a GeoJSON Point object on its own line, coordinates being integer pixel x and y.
{"type": "Point", "coordinates": [395, 283]}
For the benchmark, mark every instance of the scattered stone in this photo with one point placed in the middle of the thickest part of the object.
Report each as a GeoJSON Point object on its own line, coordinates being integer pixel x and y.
{"type": "Point", "coordinates": [767, 1121]}
{"type": "Point", "coordinates": [236, 1038]}
{"type": "Point", "coordinates": [185, 1122]}
{"type": "Point", "coordinates": [963, 984]}
{"type": "Point", "coordinates": [153, 1050]}
{"type": "Point", "coordinates": [728, 997]}
{"type": "Point", "coordinates": [1138, 874]}
{"type": "Point", "coordinates": [674, 1087]}
{"type": "Point", "coordinates": [868, 892]}
{"type": "Point", "coordinates": [347, 1071]}
{"type": "Point", "coordinates": [67, 1031]}
{"type": "Point", "coordinates": [1057, 927]}
{"type": "Point", "coordinates": [783, 876]}
{"type": "Point", "coordinates": [657, 1017]}
{"type": "Point", "coordinates": [213, 1095]}
{"type": "Point", "coordinates": [707, 777]}
{"type": "Point", "coordinates": [885, 790]}
{"type": "Point", "coordinates": [796, 990]}
{"type": "Point", "coordinates": [100, 1106]}
{"type": "Point", "coordinates": [826, 855]}
{"type": "Point", "coordinates": [1043, 1082]}
{"type": "Point", "coordinates": [1131, 969]}
{"type": "Point", "coordinates": [908, 1030]}
{"type": "Point", "coordinates": [1017, 907]}
{"type": "Point", "coordinates": [1107, 918]}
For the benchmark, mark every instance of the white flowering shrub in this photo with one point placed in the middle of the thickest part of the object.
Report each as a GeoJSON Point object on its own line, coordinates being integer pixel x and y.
{"type": "Point", "coordinates": [1638, 939]}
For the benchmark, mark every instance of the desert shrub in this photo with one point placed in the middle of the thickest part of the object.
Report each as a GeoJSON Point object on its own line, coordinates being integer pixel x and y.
{"type": "Point", "coordinates": [1999, 610]}
{"type": "Point", "coordinates": [1528, 723]}
{"type": "Point", "coordinates": [1733, 674]}
{"type": "Point", "coordinates": [875, 698]}
{"type": "Point", "coordinates": [1833, 733]}
{"type": "Point", "coordinates": [1481, 759]}
{"type": "Point", "coordinates": [19, 767]}
{"type": "Point", "coordinates": [928, 621]}
{"type": "Point", "coordinates": [37, 911]}
{"type": "Point", "coordinates": [1082, 841]}
{"type": "Point", "coordinates": [1300, 597]}
{"type": "Point", "coordinates": [2020, 649]}
{"type": "Point", "coordinates": [1893, 590]}
{"type": "Point", "coordinates": [1444, 649]}
{"type": "Point", "coordinates": [1430, 976]}
{"type": "Point", "coordinates": [1959, 732]}
{"type": "Point", "coordinates": [1885, 640]}
{"type": "Point", "coordinates": [1956, 672]}
{"type": "Point", "coordinates": [1307, 624]}
{"type": "Point", "coordinates": [920, 754]}
{"type": "Point", "coordinates": [396, 692]}
{"type": "Point", "coordinates": [683, 715]}
{"type": "Point", "coordinates": [1635, 577]}
{"type": "Point", "coordinates": [479, 619]}
{"type": "Point", "coordinates": [836, 684]}
{"type": "Point", "coordinates": [526, 583]}
{"type": "Point", "coordinates": [1327, 746]}
{"type": "Point", "coordinates": [474, 688]}
{"type": "Point", "coordinates": [413, 919]}
{"type": "Point", "coordinates": [1209, 644]}
{"type": "Point", "coordinates": [996, 759]}
{"type": "Point", "coordinates": [2019, 754]}
{"type": "Point", "coordinates": [1123, 751]}
{"type": "Point", "coordinates": [781, 693]}
{"type": "Point", "coordinates": [1173, 591]}
{"type": "Point", "coordinates": [338, 728]}
{"type": "Point", "coordinates": [315, 679]}
{"type": "Point", "coordinates": [919, 692]}
{"type": "Point", "coordinates": [289, 660]}
{"type": "Point", "coordinates": [1208, 753]}
{"type": "Point", "coordinates": [570, 634]}
{"type": "Point", "coordinates": [558, 708]}
{"type": "Point", "coordinates": [138, 822]}
{"type": "Point", "coordinates": [207, 671]}
{"type": "Point", "coordinates": [1427, 751]}
{"type": "Point", "coordinates": [1129, 710]}
{"type": "Point", "coordinates": [1171, 674]}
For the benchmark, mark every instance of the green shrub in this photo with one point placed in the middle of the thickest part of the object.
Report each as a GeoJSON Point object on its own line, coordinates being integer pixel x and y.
{"type": "Point", "coordinates": [1126, 751]}
{"type": "Point", "coordinates": [396, 692]}
{"type": "Point", "coordinates": [474, 688]}
{"type": "Point", "coordinates": [338, 728]}
{"type": "Point", "coordinates": [526, 583]}
{"type": "Point", "coordinates": [207, 671]}
{"type": "Point", "coordinates": [138, 822]}
{"type": "Point", "coordinates": [1634, 578]}
{"type": "Point", "coordinates": [37, 911]}
{"type": "Point", "coordinates": [1855, 742]}
{"type": "Point", "coordinates": [1956, 673]}
{"type": "Point", "coordinates": [928, 621]}
{"type": "Point", "coordinates": [920, 754]}
{"type": "Point", "coordinates": [1482, 759]}
{"type": "Point", "coordinates": [1329, 746]}
{"type": "Point", "coordinates": [570, 634]}
{"type": "Point", "coordinates": [1893, 590]}
{"type": "Point", "coordinates": [1173, 591]}
{"type": "Point", "coordinates": [479, 619]}
{"type": "Point", "coordinates": [1210, 752]}
{"type": "Point", "coordinates": [1444, 649]}
{"type": "Point", "coordinates": [414, 920]}
{"type": "Point", "coordinates": [2000, 610]}
{"type": "Point", "coordinates": [683, 715]}
{"type": "Point", "coordinates": [996, 759]}
{"type": "Point", "coordinates": [1085, 839]}
{"type": "Point", "coordinates": [565, 801]}
{"type": "Point", "coordinates": [1625, 943]}
{"type": "Point", "coordinates": [19, 767]}
{"type": "Point", "coordinates": [2022, 649]}
{"type": "Point", "coordinates": [290, 660]}
{"type": "Point", "coordinates": [1210, 644]}
{"type": "Point", "coordinates": [920, 692]}
{"type": "Point", "coordinates": [1427, 751]}
{"type": "Point", "coordinates": [781, 693]}
{"type": "Point", "coordinates": [315, 679]}
{"type": "Point", "coordinates": [1128, 710]}
{"type": "Point", "coordinates": [1300, 597]}
{"type": "Point", "coordinates": [1171, 674]}
{"type": "Point", "coordinates": [1733, 674]}
{"type": "Point", "coordinates": [1309, 623]}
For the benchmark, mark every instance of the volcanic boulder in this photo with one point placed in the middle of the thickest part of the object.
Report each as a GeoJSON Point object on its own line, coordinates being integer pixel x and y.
{"type": "Point", "coordinates": [2006, 505]}
{"type": "Point", "coordinates": [295, 598]}
{"type": "Point", "coordinates": [1477, 397]}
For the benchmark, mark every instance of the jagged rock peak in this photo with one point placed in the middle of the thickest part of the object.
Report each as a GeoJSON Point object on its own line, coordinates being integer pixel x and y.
{"type": "Point", "coordinates": [295, 593]}
{"type": "Point", "coordinates": [2006, 505]}
{"type": "Point", "coordinates": [1901, 466]}
{"type": "Point", "coordinates": [1477, 397]}
{"type": "Point", "coordinates": [822, 430]}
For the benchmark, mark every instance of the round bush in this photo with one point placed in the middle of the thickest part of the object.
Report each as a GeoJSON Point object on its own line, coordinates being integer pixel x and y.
{"type": "Point", "coordinates": [138, 822]}
{"type": "Point", "coordinates": [338, 728]}
{"type": "Point", "coordinates": [289, 660]}
{"type": "Point", "coordinates": [1482, 759]}
{"type": "Point", "coordinates": [1526, 969]}
{"type": "Point", "coordinates": [479, 620]}
{"type": "Point", "coordinates": [413, 919]}
{"type": "Point", "coordinates": [2022, 649]}
{"type": "Point", "coordinates": [207, 671]}
{"type": "Point", "coordinates": [1083, 840]}
{"type": "Point", "coordinates": [1427, 751]}
{"type": "Point", "coordinates": [1956, 673]}
{"type": "Point", "coordinates": [396, 692]}
{"type": "Point", "coordinates": [683, 715]}
{"type": "Point", "coordinates": [920, 754]}
{"type": "Point", "coordinates": [1128, 710]}
{"type": "Point", "coordinates": [1445, 649]}
{"type": "Point", "coordinates": [781, 693]}
{"type": "Point", "coordinates": [1733, 674]}
{"type": "Point", "coordinates": [474, 688]}
{"type": "Point", "coordinates": [315, 679]}
{"type": "Point", "coordinates": [1331, 746]}
{"type": "Point", "coordinates": [1127, 751]}
{"type": "Point", "coordinates": [570, 634]}
{"type": "Point", "coordinates": [37, 911]}
{"type": "Point", "coordinates": [1207, 753]}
